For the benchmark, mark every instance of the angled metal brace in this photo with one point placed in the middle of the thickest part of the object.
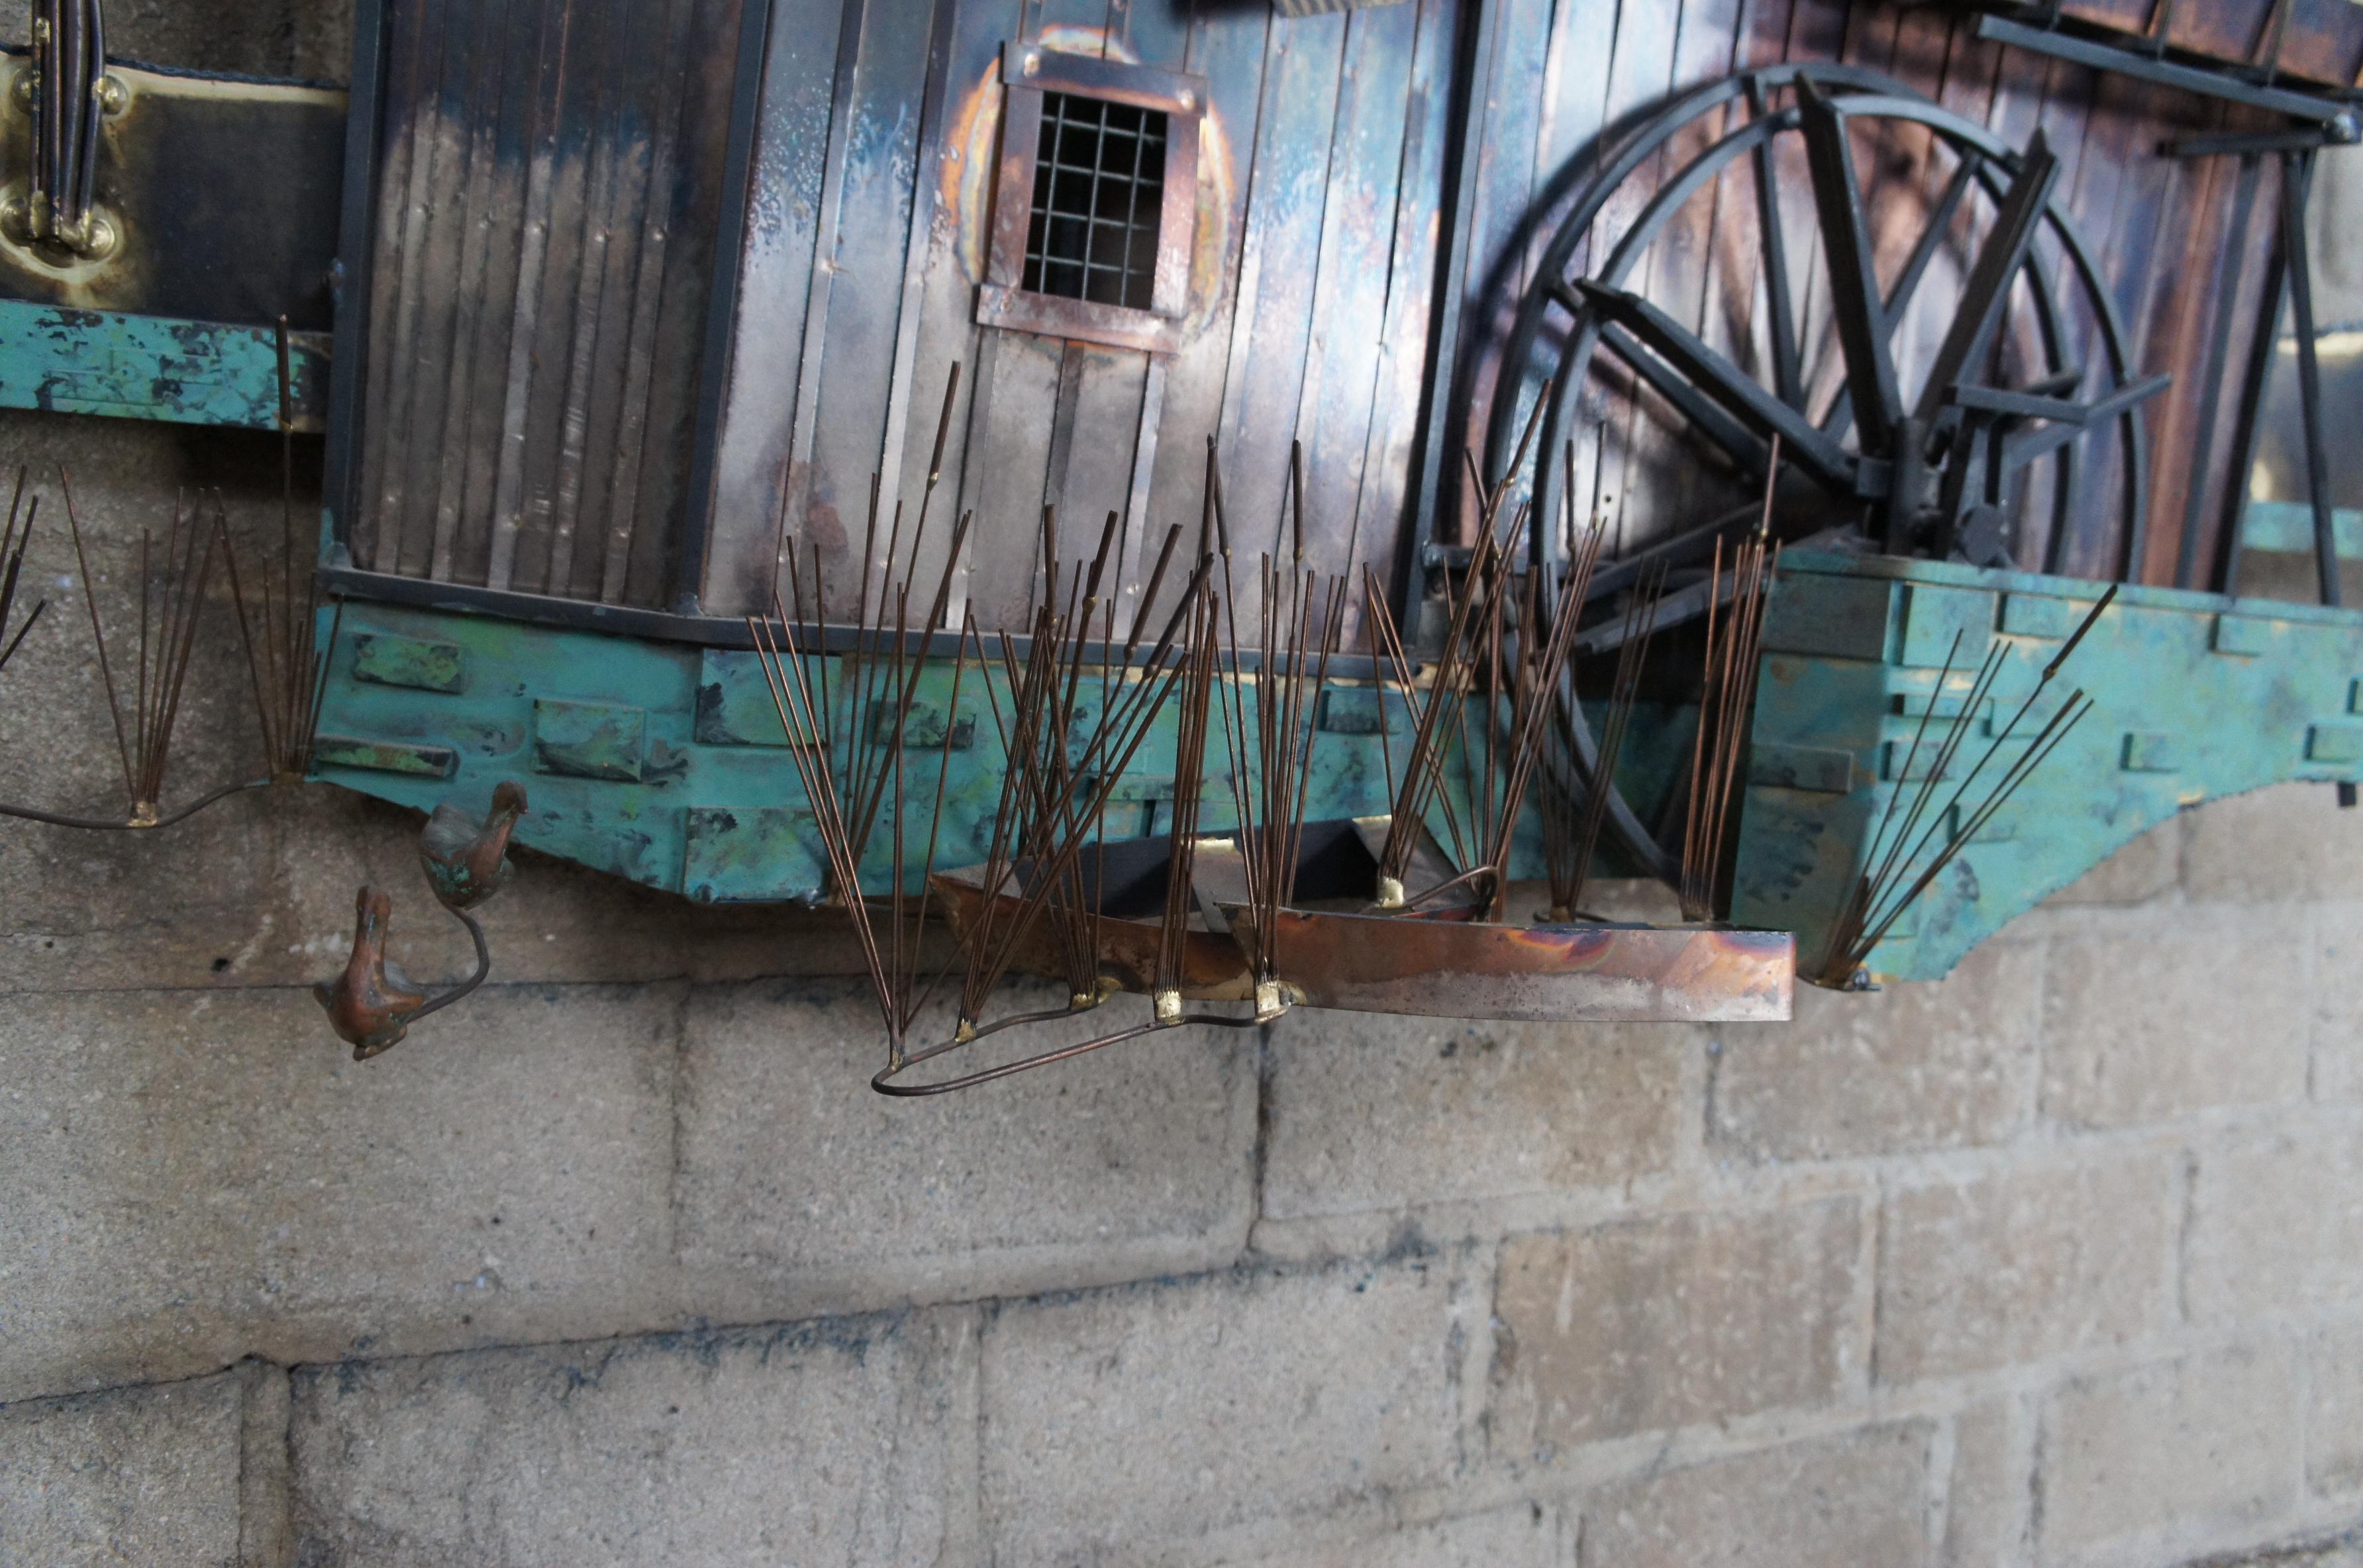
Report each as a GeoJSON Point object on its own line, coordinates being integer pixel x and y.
{"type": "Point", "coordinates": [1725, 383]}
{"type": "Point", "coordinates": [1855, 303]}
{"type": "Point", "coordinates": [1998, 260]}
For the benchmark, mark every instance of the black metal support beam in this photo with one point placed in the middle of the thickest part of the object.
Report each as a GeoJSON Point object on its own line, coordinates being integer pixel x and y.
{"type": "Point", "coordinates": [2210, 385]}
{"type": "Point", "coordinates": [1856, 305]}
{"type": "Point", "coordinates": [1691, 360]}
{"type": "Point", "coordinates": [2297, 177]}
{"type": "Point", "coordinates": [1979, 314]}
{"type": "Point", "coordinates": [1788, 375]}
{"type": "Point", "coordinates": [2166, 73]}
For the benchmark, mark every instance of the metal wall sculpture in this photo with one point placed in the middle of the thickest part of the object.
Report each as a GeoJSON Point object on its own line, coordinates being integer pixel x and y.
{"type": "Point", "coordinates": [1388, 460]}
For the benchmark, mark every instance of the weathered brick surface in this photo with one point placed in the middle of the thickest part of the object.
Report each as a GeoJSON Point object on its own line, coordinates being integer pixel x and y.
{"type": "Point", "coordinates": [2333, 1419]}
{"type": "Point", "coordinates": [1861, 1498]}
{"type": "Point", "coordinates": [1935, 1065]}
{"type": "Point", "coordinates": [2024, 1264]}
{"type": "Point", "coordinates": [841, 1442]}
{"type": "Point", "coordinates": [800, 1187]}
{"type": "Point", "coordinates": [194, 1176]}
{"type": "Point", "coordinates": [2276, 1219]}
{"type": "Point", "coordinates": [2200, 1444]}
{"type": "Point", "coordinates": [1382, 1112]}
{"type": "Point", "coordinates": [1990, 1494]}
{"type": "Point", "coordinates": [1120, 1420]}
{"type": "Point", "coordinates": [2156, 1015]}
{"type": "Point", "coordinates": [2291, 842]}
{"type": "Point", "coordinates": [143, 1475]}
{"type": "Point", "coordinates": [1524, 1535]}
{"type": "Point", "coordinates": [1653, 1323]}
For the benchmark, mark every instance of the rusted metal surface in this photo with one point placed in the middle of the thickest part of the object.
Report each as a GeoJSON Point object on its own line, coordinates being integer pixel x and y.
{"type": "Point", "coordinates": [467, 861]}
{"type": "Point", "coordinates": [1561, 974]}
{"type": "Point", "coordinates": [369, 1005]}
{"type": "Point", "coordinates": [1213, 967]}
{"type": "Point", "coordinates": [372, 1004]}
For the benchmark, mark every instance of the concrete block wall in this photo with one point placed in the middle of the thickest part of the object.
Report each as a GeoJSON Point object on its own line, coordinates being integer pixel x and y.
{"type": "Point", "coordinates": [2060, 1262]}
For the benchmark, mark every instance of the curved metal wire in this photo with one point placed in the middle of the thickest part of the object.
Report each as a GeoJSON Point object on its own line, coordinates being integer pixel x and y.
{"type": "Point", "coordinates": [113, 824]}
{"type": "Point", "coordinates": [883, 1079]}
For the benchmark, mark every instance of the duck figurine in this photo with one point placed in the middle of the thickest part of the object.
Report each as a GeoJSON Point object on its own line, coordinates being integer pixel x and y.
{"type": "Point", "coordinates": [371, 1003]}
{"type": "Point", "coordinates": [467, 863]}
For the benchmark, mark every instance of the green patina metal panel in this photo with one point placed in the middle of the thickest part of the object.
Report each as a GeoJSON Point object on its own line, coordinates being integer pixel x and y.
{"type": "Point", "coordinates": [384, 757]}
{"type": "Point", "coordinates": [717, 811]}
{"type": "Point", "coordinates": [589, 740]}
{"type": "Point", "coordinates": [154, 366]}
{"type": "Point", "coordinates": [2175, 722]}
{"type": "Point", "coordinates": [409, 661]}
{"type": "Point", "coordinates": [740, 855]}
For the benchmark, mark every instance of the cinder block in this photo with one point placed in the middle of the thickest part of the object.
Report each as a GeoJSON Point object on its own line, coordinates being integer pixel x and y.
{"type": "Point", "coordinates": [850, 1441]}
{"type": "Point", "coordinates": [195, 1176]}
{"type": "Point", "coordinates": [2025, 1263]}
{"type": "Point", "coordinates": [1524, 1535]}
{"type": "Point", "coordinates": [2205, 1443]}
{"type": "Point", "coordinates": [800, 1191]}
{"type": "Point", "coordinates": [2277, 1220]}
{"type": "Point", "coordinates": [1656, 1323]}
{"type": "Point", "coordinates": [1915, 1066]}
{"type": "Point", "coordinates": [1861, 1498]}
{"type": "Point", "coordinates": [1149, 1415]}
{"type": "Point", "coordinates": [1988, 1499]}
{"type": "Point", "coordinates": [134, 1475]}
{"type": "Point", "coordinates": [259, 892]}
{"type": "Point", "coordinates": [2334, 1423]}
{"type": "Point", "coordinates": [2146, 869]}
{"type": "Point", "coordinates": [2287, 843]}
{"type": "Point", "coordinates": [1380, 1113]}
{"type": "Point", "coordinates": [2337, 1003]}
{"type": "Point", "coordinates": [2149, 1018]}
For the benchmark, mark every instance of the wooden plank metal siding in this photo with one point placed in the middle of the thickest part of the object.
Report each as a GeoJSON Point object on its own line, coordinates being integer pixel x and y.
{"type": "Point", "coordinates": [1321, 178]}
{"type": "Point", "coordinates": [507, 405]}
{"type": "Point", "coordinates": [548, 188]}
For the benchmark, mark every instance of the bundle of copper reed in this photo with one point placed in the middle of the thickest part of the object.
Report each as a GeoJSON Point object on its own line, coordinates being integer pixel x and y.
{"type": "Point", "coordinates": [846, 729]}
{"type": "Point", "coordinates": [1440, 712]}
{"type": "Point", "coordinates": [1065, 758]}
{"type": "Point", "coordinates": [287, 667]}
{"type": "Point", "coordinates": [171, 595]}
{"type": "Point", "coordinates": [1269, 724]}
{"type": "Point", "coordinates": [14, 536]}
{"type": "Point", "coordinates": [1734, 643]}
{"type": "Point", "coordinates": [1881, 893]}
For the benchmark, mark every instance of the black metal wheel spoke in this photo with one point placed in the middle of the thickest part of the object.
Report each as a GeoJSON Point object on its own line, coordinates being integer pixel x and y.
{"type": "Point", "coordinates": [2001, 390]}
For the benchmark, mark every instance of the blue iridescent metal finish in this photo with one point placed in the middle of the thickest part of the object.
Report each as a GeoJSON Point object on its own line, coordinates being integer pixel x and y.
{"type": "Point", "coordinates": [2196, 696]}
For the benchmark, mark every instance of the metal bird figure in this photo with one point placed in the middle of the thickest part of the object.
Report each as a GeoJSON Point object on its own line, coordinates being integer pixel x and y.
{"type": "Point", "coordinates": [370, 1004]}
{"type": "Point", "coordinates": [465, 862]}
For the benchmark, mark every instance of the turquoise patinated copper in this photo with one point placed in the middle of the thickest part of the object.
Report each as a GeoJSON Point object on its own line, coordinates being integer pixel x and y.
{"type": "Point", "coordinates": [667, 764]}
{"type": "Point", "coordinates": [66, 360]}
{"type": "Point", "coordinates": [2196, 696]}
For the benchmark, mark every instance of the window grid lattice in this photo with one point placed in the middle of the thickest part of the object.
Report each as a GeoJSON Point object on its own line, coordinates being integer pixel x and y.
{"type": "Point", "coordinates": [1099, 189]}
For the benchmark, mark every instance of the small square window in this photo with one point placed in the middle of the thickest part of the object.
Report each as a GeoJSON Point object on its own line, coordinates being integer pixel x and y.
{"type": "Point", "coordinates": [1098, 191]}
{"type": "Point", "coordinates": [1095, 209]}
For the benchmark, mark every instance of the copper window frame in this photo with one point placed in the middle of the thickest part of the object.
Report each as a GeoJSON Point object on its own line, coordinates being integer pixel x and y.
{"type": "Point", "coordinates": [1028, 71]}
